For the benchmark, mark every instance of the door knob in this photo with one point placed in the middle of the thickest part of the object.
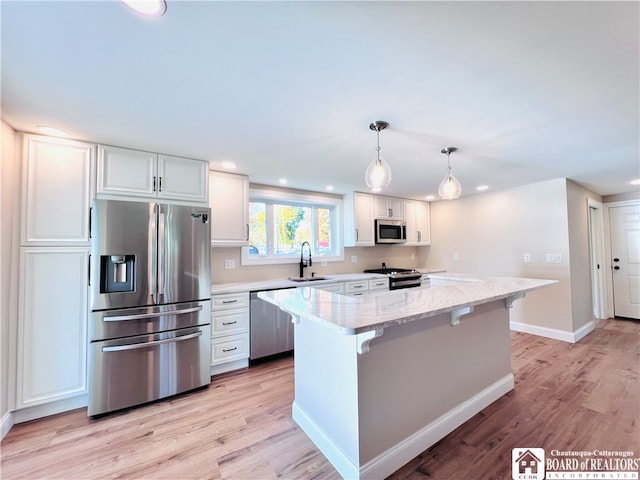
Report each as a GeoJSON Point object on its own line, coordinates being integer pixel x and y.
{"type": "Point", "coordinates": [616, 259]}
{"type": "Point", "coordinates": [616, 267]}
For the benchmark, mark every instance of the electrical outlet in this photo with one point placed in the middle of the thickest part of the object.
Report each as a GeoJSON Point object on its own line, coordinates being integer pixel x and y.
{"type": "Point", "coordinates": [456, 257]}
{"type": "Point", "coordinates": [229, 263]}
{"type": "Point", "coordinates": [354, 259]}
{"type": "Point", "coordinates": [526, 258]}
{"type": "Point", "coordinates": [554, 257]}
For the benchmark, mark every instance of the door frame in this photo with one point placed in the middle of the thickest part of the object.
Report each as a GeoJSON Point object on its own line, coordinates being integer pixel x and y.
{"type": "Point", "coordinates": [598, 258]}
{"type": "Point", "coordinates": [607, 238]}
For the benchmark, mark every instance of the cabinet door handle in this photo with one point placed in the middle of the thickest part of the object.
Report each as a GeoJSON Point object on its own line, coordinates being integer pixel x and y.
{"type": "Point", "coordinates": [356, 234]}
{"type": "Point", "coordinates": [391, 212]}
{"type": "Point", "coordinates": [616, 267]}
{"type": "Point", "coordinates": [159, 184]}
{"type": "Point", "coordinates": [247, 232]}
{"type": "Point", "coordinates": [225, 350]}
{"type": "Point", "coordinates": [154, 184]}
{"type": "Point", "coordinates": [419, 236]}
{"type": "Point", "coordinates": [229, 323]}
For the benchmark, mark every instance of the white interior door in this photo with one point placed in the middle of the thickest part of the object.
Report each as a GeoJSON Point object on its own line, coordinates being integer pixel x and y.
{"type": "Point", "coordinates": [625, 260]}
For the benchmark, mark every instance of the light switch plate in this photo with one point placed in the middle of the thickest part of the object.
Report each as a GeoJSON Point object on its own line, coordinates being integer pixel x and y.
{"type": "Point", "coordinates": [354, 259]}
{"type": "Point", "coordinates": [526, 258]}
{"type": "Point", "coordinates": [456, 257]}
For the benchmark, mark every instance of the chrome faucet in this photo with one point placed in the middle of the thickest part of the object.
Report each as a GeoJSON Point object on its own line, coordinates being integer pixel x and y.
{"type": "Point", "coordinates": [303, 262]}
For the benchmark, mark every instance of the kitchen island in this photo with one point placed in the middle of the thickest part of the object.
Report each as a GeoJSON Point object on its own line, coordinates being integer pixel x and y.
{"type": "Point", "coordinates": [380, 378]}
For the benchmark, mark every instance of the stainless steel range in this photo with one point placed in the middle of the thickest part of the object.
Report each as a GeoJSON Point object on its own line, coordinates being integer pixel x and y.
{"type": "Point", "coordinates": [399, 277]}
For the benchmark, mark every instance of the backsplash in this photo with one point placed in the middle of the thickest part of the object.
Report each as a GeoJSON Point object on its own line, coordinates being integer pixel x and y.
{"type": "Point", "coordinates": [367, 258]}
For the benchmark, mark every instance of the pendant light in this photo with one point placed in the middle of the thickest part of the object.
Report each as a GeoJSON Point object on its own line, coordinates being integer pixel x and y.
{"type": "Point", "coordinates": [450, 187]}
{"type": "Point", "coordinates": [378, 174]}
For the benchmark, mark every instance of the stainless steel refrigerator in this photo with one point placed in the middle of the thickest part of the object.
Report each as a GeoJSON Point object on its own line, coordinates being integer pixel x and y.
{"type": "Point", "coordinates": [150, 279]}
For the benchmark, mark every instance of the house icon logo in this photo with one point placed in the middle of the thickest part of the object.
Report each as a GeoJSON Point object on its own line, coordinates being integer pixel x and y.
{"type": "Point", "coordinates": [527, 464]}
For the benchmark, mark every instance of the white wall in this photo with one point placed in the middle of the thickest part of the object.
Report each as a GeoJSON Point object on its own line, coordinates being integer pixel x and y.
{"type": "Point", "coordinates": [9, 205]}
{"type": "Point", "coordinates": [492, 231]}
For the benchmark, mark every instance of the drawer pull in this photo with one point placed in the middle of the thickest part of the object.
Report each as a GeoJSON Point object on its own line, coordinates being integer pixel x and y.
{"type": "Point", "coordinates": [229, 323]}
{"type": "Point", "coordinates": [230, 301]}
{"type": "Point", "coordinates": [229, 349]}
{"type": "Point", "coordinates": [357, 286]}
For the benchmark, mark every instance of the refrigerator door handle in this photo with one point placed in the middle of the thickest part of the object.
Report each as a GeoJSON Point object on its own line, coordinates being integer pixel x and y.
{"type": "Point", "coordinates": [135, 346]}
{"type": "Point", "coordinates": [138, 316]}
{"type": "Point", "coordinates": [162, 252]}
{"type": "Point", "coordinates": [152, 250]}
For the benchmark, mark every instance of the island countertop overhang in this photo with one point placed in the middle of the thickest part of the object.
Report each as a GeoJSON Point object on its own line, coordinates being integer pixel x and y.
{"type": "Point", "coordinates": [352, 315]}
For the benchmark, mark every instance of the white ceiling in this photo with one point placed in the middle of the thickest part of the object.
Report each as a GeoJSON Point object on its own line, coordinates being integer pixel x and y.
{"type": "Point", "coordinates": [528, 91]}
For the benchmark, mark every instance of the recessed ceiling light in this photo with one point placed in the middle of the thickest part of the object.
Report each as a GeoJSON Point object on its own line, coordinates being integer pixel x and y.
{"type": "Point", "coordinates": [482, 188]}
{"type": "Point", "coordinates": [329, 188]}
{"type": "Point", "coordinates": [149, 8]}
{"type": "Point", "coordinates": [429, 198]}
{"type": "Point", "coordinates": [229, 165]}
{"type": "Point", "coordinates": [635, 182]}
{"type": "Point", "coordinates": [282, 181]}
{"type": "Point", "coordinates": [56, 132]}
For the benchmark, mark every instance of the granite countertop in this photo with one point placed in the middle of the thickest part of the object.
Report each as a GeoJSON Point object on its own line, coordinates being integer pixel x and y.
{"type": "Point", "coordinates": [237, 287]}
{"type": "Point", "coordinates": [286, 283]}
{"type": "Point", "coordinates": [380, 309]}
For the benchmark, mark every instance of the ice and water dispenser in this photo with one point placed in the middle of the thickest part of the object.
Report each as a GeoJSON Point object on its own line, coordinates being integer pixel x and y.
{"type": "Point", "coordinates": [117, 273]}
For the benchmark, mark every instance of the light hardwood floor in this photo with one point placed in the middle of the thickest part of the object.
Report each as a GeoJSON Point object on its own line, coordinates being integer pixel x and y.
{"type": "Point", "coordinates": [567, 397]}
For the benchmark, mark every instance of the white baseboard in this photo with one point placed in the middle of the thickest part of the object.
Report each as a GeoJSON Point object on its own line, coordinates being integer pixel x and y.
{"type": "Point", "coordinates": [401, 453]}
{"type": "Point", "coordinates": [6, 424]}
{"type": "Point", "coordinates": [229, 366]}
{"type": "Point", "coordinates": [39, 411]}
{"type": "Point", "coordinates": [570, 337]}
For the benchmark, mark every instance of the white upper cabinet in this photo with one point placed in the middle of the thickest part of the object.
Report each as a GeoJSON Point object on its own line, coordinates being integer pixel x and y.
{"type": "Point", "coordinates": [183, 179]}
{"type": "Point", "coordinates": [57, 191]}
{"type": "Point", "coordinates": [418, 222]}
{"type": "Point", "coordinates": [389, 207]}
{"type": "Point", "coordinates": [229, 203]}
{"type": "Point", "coordinates": [134, 173]}
{"type": "Point", "coordinates": [359, 220]}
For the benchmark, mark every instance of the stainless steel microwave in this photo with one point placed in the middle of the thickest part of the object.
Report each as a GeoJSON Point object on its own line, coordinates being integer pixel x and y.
{"type": "Point", "coordinates": [390, 231]}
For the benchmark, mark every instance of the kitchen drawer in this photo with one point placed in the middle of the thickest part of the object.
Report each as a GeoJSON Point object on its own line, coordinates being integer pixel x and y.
{"type": "Point", "coordinates": [332, 287]}
{"type": "Point", "coordinates": [229, 300]}
{"type": "Point", "coordinates": [359, 286]}
{"type": "Point", "coordinates": [229, 348]}
{"type": "Point", "coordinates": [379, 284]}
{"type": "Point", "coordinates": [230, 321]}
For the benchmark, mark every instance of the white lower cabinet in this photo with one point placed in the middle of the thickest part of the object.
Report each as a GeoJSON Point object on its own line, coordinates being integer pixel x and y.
{"type": "Point", "coordinates": [331, 287]}
{"type": "Point", "coordinates": [229, 332]}
{"type": "Point", "coordinates": [357, 287]}
{"type": "Point", "coordinates": [52, 325]}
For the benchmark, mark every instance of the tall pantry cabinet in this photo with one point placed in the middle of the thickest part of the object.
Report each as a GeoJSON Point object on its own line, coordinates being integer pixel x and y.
{"type": "Point", "coordinates": [57, 188]}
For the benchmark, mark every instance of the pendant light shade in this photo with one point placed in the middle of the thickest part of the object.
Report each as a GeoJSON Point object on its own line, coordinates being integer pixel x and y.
{"type": "Point", "coordinates": [378, 173]}
{"type": "Point", "coordinates": [450, 187]}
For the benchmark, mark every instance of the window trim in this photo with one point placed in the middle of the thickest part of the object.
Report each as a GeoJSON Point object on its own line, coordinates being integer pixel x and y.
{"type": "Point", "coordinates": [312, 199]}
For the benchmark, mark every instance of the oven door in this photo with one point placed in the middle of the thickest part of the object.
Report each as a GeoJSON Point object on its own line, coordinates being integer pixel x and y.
{"type": "Point", "coordinates": [134, 370]}
{"type": "Point", "coordinates": [390, 231]}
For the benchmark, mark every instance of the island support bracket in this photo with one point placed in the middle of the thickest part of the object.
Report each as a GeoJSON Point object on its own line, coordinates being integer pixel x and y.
{"type": "Point", "coordinates": [509, 300]}
{"type": "Point", "coordinates": [364, 338]}
{"type": "Point", "coordinates": [459, 312]}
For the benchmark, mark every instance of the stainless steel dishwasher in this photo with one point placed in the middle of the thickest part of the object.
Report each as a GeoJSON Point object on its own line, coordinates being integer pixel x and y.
{"type": "Point", "coordinates": [271, 329]}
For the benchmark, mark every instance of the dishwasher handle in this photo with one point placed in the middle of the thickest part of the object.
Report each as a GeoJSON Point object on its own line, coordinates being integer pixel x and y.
{"type": "Point", "coordinates": [135, 346]}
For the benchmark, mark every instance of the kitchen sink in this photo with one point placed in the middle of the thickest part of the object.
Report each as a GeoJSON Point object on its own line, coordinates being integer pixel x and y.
{"type": "Point", "coordinates": [306, 279]}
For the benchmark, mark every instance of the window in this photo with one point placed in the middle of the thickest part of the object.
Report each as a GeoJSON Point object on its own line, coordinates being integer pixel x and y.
{"type": "Point", "coordinates": [279, 223]}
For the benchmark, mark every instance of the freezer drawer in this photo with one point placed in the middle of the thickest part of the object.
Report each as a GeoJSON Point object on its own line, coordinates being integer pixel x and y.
{"type": "Point", "coordinates": [136, 370]}
{"type": "Point", "coordinates": [109, 324]}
